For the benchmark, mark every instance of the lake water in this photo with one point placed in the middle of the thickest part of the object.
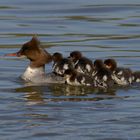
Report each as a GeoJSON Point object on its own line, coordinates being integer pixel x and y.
{"type": "Point", "coordinates": [100, 29]}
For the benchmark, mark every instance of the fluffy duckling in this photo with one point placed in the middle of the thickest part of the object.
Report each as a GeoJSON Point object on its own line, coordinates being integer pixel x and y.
{"type": "Point", "coordinates": [60, 64]}
{"type": "Point", "coordinates": [121, 76]}
{"type": "Point", "coordinates": [102, 74]}
{"type": "Point", "coordinates": [81, 64]}
{"type": "Point", "coordinates": [74, 78]}
{"type": "Point", "coordinates": [136, 77]}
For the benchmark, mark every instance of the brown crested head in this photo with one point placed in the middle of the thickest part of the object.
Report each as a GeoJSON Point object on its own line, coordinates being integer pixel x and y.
{"type": "Point", "coordinates": [30, 49]}
{"type": "Point", "coordinates": [75, 55]}
{"type": "Point", "coordinates": [98, 64]}
{"type": "Point", "coordinates": [110, 64]}
{"type": "Point", "coordinates": [35, 53]}
{"type": "Point", "coordinates": [57, 57]}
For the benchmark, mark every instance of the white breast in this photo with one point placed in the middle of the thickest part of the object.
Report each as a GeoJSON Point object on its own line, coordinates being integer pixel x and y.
{"type": "Point", "coordinates": [31, 74]}
{"type": "Point", "coordinates": [38, 76]}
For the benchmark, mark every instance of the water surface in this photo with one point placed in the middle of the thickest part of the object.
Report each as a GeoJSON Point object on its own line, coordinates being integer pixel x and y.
{"type": "Point", "coordinates": [100, 29]}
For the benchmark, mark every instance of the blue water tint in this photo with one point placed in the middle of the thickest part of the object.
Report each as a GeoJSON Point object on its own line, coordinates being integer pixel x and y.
{"type": "Point", "coordinates": [99, 29]}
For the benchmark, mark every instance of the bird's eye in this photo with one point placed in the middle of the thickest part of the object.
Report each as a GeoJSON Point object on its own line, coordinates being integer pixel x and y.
{"type": "Point", "coordinates": [24, 48]}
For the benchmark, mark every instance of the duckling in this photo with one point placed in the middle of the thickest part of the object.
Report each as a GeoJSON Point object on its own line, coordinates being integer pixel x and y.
{"type": "Point", "coordinates": [121, 76]}
{"type": "Point", "coordinates": [136, 77]}
{"type": "Point", "coordinates": [75, 78]}
{"type": "Point", "coordinates": [60, 64]}
{"type": "Point", "coordinates": [102, 74]}
{"type": "Point", "coordinates": [81, 64]}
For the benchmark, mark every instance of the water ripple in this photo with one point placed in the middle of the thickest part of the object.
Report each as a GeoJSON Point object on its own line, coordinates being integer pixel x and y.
{"type": "Point", "coordinates": [107, 29]}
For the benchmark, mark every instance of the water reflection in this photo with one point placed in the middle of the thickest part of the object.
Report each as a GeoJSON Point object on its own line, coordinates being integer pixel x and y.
{"type": "Point", "coordinates": [56, 92]}
{"type": "Point", "coordinates": [33, 94]}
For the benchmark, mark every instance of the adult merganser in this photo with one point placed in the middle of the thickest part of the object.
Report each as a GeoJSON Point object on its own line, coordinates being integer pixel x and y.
{"type": "Point", "coordinates": [121, 76]}
{"type": "Point", "coordinates": [38, 57]}
{"type": "Point", "coordinates": [102, 74]}
{"type": "Point", "coordinates": [61, 64]}
{"type": "Point", "coordinates": [81, 64]}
